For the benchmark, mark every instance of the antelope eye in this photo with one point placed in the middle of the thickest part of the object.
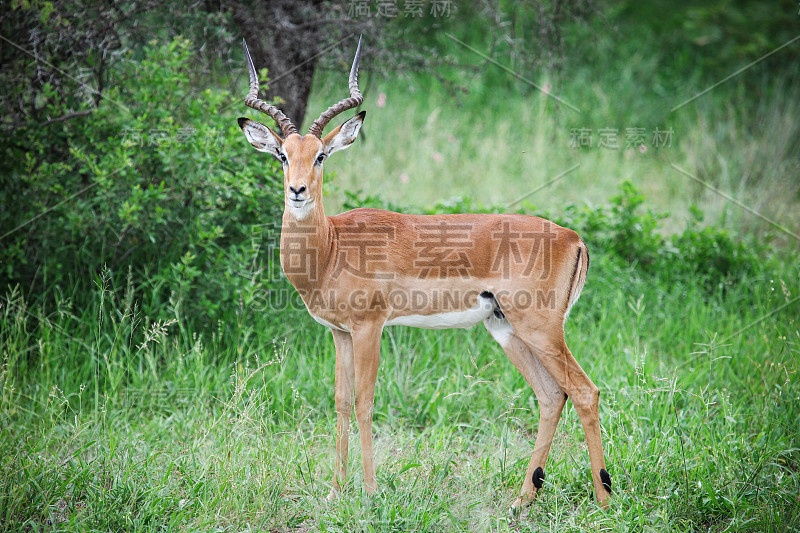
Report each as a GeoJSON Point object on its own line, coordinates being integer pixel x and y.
{"type": "Point", "coordinates": [320, 158]}
{"type": "Point", "coordinates": [282, 157]}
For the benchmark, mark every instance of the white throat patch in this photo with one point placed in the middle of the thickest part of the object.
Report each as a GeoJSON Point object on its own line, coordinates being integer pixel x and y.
{"type": "Point", "coordinates": [302, 212]}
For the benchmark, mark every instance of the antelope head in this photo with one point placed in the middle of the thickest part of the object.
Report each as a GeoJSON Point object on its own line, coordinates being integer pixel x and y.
{"type": "Point", "coordinates": [302, 156]}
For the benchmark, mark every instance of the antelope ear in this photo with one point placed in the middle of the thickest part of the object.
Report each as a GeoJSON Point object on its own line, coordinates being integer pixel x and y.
{"type": "Point", "coordinates": [344, 135]}
{"type": "Point", "coordinates": [261, 137]}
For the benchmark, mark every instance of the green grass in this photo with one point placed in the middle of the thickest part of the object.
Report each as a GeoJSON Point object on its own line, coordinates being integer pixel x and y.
{"type": "Point", "coordinates": [234, 430]}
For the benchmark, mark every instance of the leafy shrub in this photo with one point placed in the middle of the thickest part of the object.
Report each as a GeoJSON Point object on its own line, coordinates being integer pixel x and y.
{"type": "Point", "coordinates": [624, 230]}
{"type": "Point", "coordinates": [158, 178]}
{"type": "Point", "coordinates": [714, 254]}
{"type": "Point", "coordinates": [458, 204]}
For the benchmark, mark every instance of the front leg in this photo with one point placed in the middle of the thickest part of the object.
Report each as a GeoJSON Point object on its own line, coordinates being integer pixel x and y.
{"type": "Point", "coordinates": [345, 381]}
{"type": "Point", "coordinates": [366, 350]}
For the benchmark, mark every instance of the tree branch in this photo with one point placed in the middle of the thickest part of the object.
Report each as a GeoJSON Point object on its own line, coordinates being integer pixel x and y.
{"type": "Point", "coordinates": [59, 119]}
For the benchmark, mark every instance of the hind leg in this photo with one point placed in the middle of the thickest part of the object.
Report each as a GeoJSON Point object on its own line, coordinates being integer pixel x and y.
{"type": "Point", "coordinates": [549, 395]}
{"type": "Point", "coordinates": [547, 342]}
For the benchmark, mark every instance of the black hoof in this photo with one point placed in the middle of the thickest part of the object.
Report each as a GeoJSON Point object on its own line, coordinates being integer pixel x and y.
{"type": "Point", "coordinates": [606, 479]}
{"type": "Point", "coordinates": [538, 477]}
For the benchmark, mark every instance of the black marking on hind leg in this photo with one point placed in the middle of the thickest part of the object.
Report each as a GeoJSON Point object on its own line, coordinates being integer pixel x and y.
{"type": "Point", "coordinates": [606, 479]}
{"type": "Point", "coordinates": [498, 313]}
{"type": "Point", "coordinates": [566, 397]}
{"type": "Point", "coordinates": [538, 477]}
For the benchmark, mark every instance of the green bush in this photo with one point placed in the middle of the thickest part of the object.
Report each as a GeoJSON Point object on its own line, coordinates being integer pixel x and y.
{"type": "Point", "coordinates": [623, 230]}
{"type": "Point", "coordinates": [158, 179]}
{"type": "Point", "coordinates": [714, 254]}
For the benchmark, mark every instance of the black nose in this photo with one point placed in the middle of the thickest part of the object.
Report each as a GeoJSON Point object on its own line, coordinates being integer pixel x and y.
{"type": "Point", "coordinates": [297, 191]}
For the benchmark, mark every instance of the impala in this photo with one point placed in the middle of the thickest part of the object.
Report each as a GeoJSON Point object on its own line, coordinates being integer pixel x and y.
{"type": "Point", "coordinates": [363, 270]}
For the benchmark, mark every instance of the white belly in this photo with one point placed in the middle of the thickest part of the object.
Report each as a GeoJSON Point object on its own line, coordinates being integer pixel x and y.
{"type": "Point", "coordinates": [447, 320]}
{"type": "Point", "coordinates": [340, 327]}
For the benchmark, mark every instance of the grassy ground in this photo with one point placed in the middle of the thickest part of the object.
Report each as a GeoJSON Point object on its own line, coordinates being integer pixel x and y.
{"type": "Point", "coordinates": [111, 423]}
